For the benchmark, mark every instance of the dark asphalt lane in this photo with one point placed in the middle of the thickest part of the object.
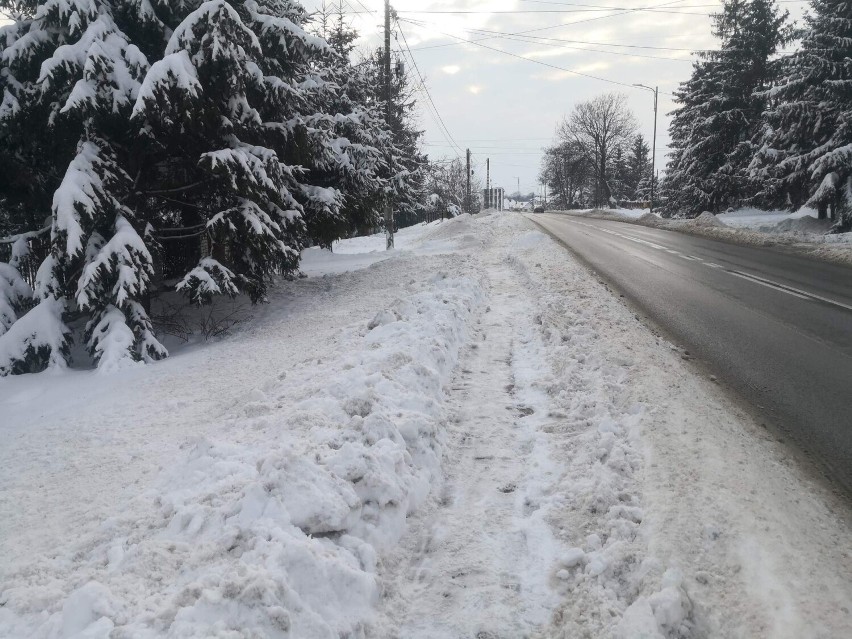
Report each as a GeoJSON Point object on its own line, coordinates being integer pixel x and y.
{"type": "Point", "coordinates": [776, 327]}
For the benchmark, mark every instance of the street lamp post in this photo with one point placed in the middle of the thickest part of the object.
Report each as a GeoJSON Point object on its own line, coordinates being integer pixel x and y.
{"type": "Point", "coordinates": [655, 91]}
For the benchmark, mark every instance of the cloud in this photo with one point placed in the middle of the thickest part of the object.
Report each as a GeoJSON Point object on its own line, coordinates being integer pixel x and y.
{"type": "Point", "coordinates": [554, 52]}
{"type": "Point", "coordinates": [451, 69]}
{"type": "Point", "coordinates": [558, 76]}
{"type": "Point", "coordinates": [475, 89]}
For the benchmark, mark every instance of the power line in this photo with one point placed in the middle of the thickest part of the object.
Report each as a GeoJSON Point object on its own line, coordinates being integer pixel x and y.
{"type": "Point", "coordinates": [515, 55]}
{"type": "Point", "coordinates": [432, 110]}
{"type": "Point", "coordinates": [558, 42]}
{"type": "Point", "coordinates": [499, 148]}
{"type": "Point", "coordinates": [533, 11]}
{"type": "Point", "coordinates": [446, 130]}
{"type": "Point", "coordinates": [503, 139]}
{"type": "Point", "coordinates": [566, 24]}
{"type": "Point", "coordinates": [496, 35]}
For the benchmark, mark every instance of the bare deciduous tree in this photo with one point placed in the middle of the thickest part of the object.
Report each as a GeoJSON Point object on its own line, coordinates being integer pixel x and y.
{"type": "Point", "coordinates": [598, 127]}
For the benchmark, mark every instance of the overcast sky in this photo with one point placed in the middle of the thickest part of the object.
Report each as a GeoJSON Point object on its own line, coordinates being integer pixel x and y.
{"type": "Point", "coordinates": [507, 108]}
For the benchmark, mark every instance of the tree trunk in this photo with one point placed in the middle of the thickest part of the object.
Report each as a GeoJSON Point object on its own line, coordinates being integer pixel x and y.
{"type": "Point", "coordinates": [605, 192]}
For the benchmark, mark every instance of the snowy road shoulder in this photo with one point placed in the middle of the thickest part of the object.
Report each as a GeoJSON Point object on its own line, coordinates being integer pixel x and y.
{"type": "Point", "coordinates": [710, 526]}
{"type": "Point", "coordinates": [801, 231]}
{"type": "Point", "coordinates": [472, 437]}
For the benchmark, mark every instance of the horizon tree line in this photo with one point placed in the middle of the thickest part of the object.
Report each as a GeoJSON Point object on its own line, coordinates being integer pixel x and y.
{"type": "Point", "coordinates": [753, 126]}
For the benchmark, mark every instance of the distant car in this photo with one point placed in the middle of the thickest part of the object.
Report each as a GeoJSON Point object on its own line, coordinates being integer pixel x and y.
{"type": "Point", "coordinates": [538, 209]}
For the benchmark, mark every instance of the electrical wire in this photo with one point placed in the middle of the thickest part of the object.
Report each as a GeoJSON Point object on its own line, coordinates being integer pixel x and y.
{"type": "Point", "coordinates": [446, 130]}
{"type": "Point", "coordinates": [558, 42]}
{"type": "Point", "coordinates": [565, 24]}
{"type": "Point", "coordinates": [515, 55]}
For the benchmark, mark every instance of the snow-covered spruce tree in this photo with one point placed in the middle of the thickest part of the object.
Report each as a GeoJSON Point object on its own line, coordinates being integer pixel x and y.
{"type": "Point", "coordinates": [363, 134]}
{"type": "Point", "coordinates": [638, 168]}
{"type": "Point", "coordinates": [806, 157]}
{"type": "Point", "coordinates": [719, 117]}
{"type": "Point", "coordinates": [408, 182]}
{"type": "Point", "coordinates": [360, 168]}
{"type": "Point", "coordinates": [409, 179]}
{"type": "Point", "coordinates": [70, 77]}
{"type": "Point", "coordinates": [212, 124]}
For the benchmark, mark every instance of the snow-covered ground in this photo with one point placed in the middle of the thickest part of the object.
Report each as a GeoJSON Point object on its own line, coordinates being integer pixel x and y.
{"type": "Point", "coordinates": [800, 229]}
{"type": "Point", "coordinates": [469, 436]}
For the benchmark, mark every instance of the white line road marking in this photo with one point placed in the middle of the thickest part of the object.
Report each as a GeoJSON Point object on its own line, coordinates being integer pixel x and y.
{"type": "Point", "coordinates": [783, 288]}
{"type": "Point", "coordinates": [801, 292]}
{"type": "Point", "coordinates": [750, 278]}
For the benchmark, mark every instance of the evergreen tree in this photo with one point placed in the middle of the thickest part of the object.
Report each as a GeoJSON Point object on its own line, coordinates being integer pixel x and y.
{"type": "Point", "coordinates": [121, 118]}
{"type": "Point", "coordinates": [638, 167]}
{"type": "Point", "coordinates": [362, 96]}
{"type": "Point", "coordinates": [806, 157]}
{"type": "Point", "coordinates": [718, 120]}
{"type": "Point", "coordinates": [619, 180]}
{"type": "Point", "coordinates": [408, 182]}
{"type": "Point", "coordinates": [70, 77]}
{"type": "Point", "coordinates": [361, 132]}
{"type": "Point", "coordinates": [446, 185]}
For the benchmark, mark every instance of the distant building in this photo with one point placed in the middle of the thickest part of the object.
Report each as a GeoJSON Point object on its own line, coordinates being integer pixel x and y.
{"type": "Point", "coordinates": [493, 198]}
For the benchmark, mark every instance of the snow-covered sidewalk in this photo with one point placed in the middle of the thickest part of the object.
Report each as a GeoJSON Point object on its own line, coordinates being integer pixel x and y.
{"type": "Point", "coordinates": [467, 437]}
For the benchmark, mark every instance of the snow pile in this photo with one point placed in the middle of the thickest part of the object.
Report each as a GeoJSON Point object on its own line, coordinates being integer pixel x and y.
{"type": "Point", "coordinates": [276, 531]}
{"type": "Point", "coordinates": [427, 238]}
{"type": "Point", "coordinates": [598, 500]}
{"type": "Point", "coordinates": [660, 615]}
{"type": "Point", "coordinates": [649, 219]}
{"type": "Point", "coordinates": [753, 227]}
{"type": "Point", "coordinates": [806, 224]}
{"type": "Point", "coordinates": [632, 213]}
{"type": "Point", "coordinates": [706, 219]}
{"type": "Point", "coordinates": [749, 217]}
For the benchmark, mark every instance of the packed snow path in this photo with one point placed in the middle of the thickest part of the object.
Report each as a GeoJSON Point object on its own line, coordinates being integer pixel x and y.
{"type": "Point", "coordinates": [471, 437]}
{"type": "Point", "coordinates": [480, 562]}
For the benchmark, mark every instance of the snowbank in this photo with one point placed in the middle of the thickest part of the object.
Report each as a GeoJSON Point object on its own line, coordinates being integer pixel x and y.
{"type": "Point", "coordinates": [799, 231]}
{"type": "Point", "coordinates": [706, 219]}
{"type": "Point", "coordinates": [683, 517]}
{"type": "Point", "coordinates": [274, 531]}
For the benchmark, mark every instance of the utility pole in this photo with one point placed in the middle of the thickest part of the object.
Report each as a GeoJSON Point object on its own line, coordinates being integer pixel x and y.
{"type": "Point", "coordinates": [389, 202]}
{"type": "Point", "coordinates": [469, 207]}
{"type": "Point", "coordinates": [488, 183]}
{"type": "Point", "coordinates": [656, 92]}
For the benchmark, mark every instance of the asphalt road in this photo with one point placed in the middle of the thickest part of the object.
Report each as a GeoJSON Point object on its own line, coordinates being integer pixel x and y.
{"type": "Point", "coordinates": [773, 326]}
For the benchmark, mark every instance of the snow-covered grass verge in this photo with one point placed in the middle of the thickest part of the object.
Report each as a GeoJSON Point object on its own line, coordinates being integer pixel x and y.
{"type": "Point", "coordinates": [800, 231]}
{"type": "Point", "coordinates": [272, 526]}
